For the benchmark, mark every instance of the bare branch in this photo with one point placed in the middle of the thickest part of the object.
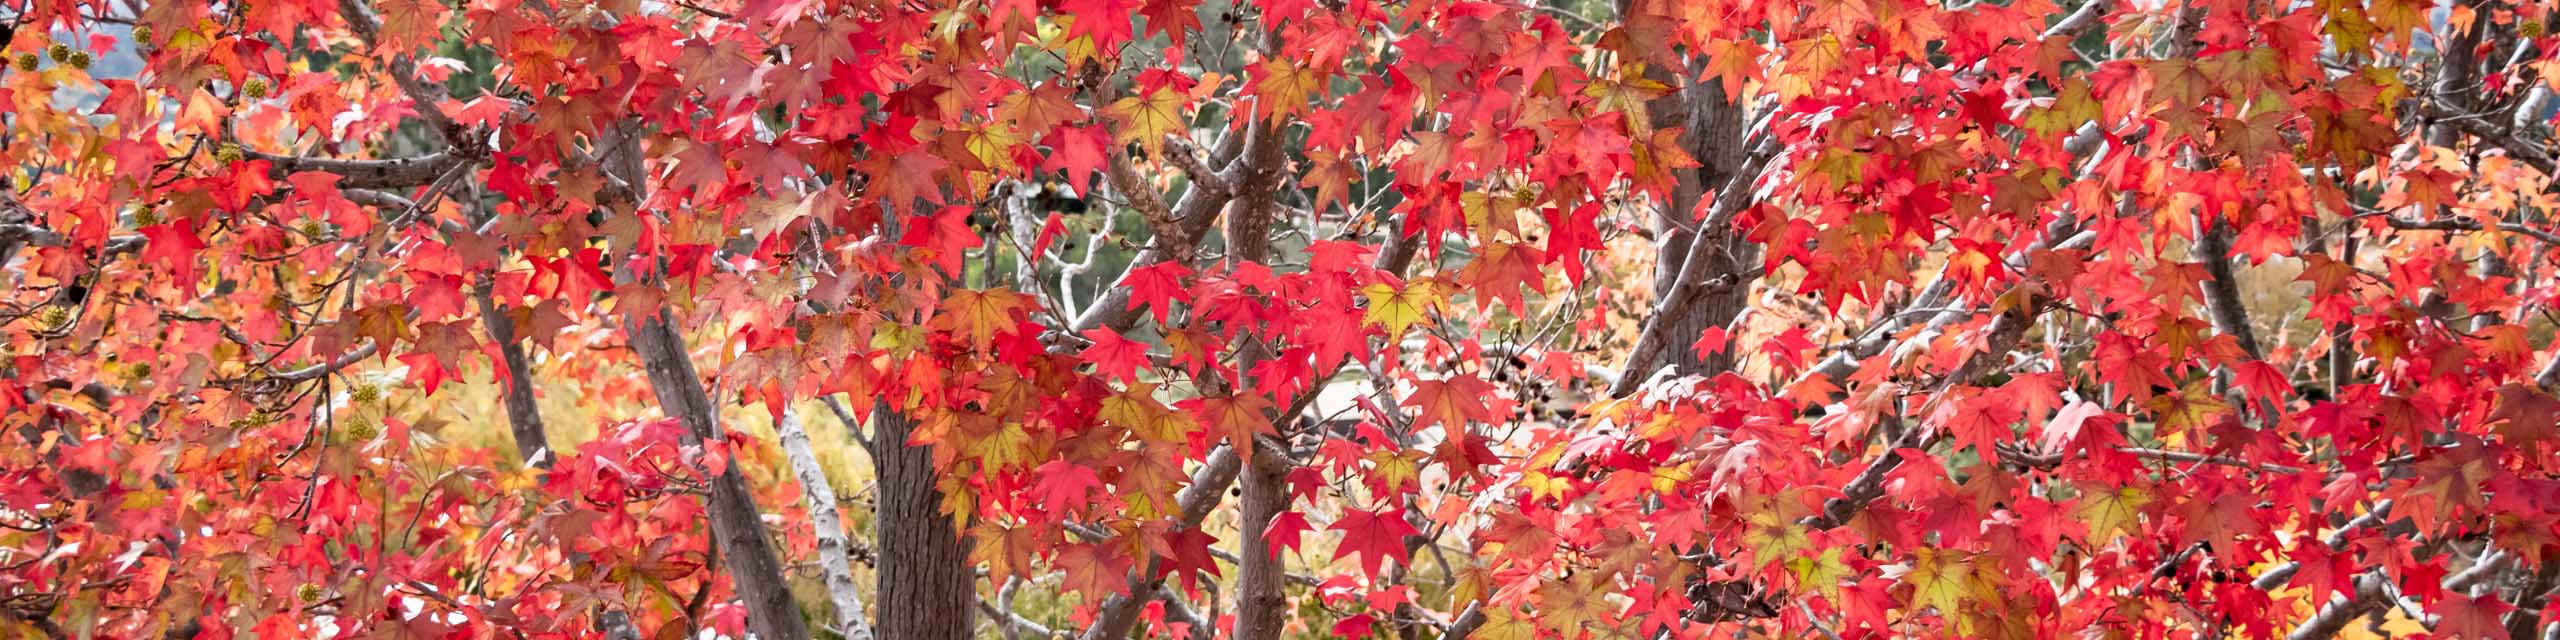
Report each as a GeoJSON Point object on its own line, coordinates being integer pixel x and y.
{"type": "Point", "coordinates": [404, 72]}
{"type": "Point", "coordinates": [1016, 621]}
{"type": "Point", "coordinates": [2459, 224]}
{"type": "Point", "coordinates": [1466, 623]}
{"type": "Point", "coordinates": [345, 360]}
{"type": "Point", "coordinates": [2080, 21]}
{"type": "Point", "coordinates": [819, 496]}
{"type": "Point", "coordinates": [1194, 162]}
{"type": "Point", "coordinates": [2278, 576]}
{"type": "Point", "coordinates": [395, 173]}
{"type": "Point", "coordinates": [524, 418]}
{"type": "Point", "coordinates": [2222, 287]}
{"type": "Point", "coordinates": [1692, 281]}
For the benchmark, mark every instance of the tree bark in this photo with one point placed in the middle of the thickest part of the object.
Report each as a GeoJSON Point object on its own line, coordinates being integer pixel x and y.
{"type": "Point", "coordinates": [926, 588]}
{"type": "Point", "coordinates": [524, 418]}
{"type": "Point", "coordinates": [820, 498]}
{"type": "Point", "coordinates": [1262, 603]}
{"type": "Point", "coordinates": [2222, 287]}
{"type": "Point", "coordinates": [1261, 582]}
{"type": "Point", "coordinates": [754, 568]}
{"type": "Point", "coordinates": [1702, 278]}
{"type": "Point", "coordinates": [1715, 137]}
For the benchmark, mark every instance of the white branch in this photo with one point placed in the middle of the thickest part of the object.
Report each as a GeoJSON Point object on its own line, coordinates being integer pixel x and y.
{"type": "Point", "coordinates": [821, 500]}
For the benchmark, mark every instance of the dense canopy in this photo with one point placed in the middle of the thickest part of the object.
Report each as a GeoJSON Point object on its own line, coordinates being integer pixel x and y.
{"type": "Point", "coordinates": [910, 319]}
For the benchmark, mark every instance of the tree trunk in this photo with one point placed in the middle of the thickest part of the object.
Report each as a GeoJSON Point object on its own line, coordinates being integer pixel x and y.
{"type": "Point", "coordinates": [1262, 602]}
{"type": "Point", "coordinates": [1715, 137]}
{"type": "Point", "coordinates": [754, 569]}
{"type": "Point", "coordinates": [927, 590]}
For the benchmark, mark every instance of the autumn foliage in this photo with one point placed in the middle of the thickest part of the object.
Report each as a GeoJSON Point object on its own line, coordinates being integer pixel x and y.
{"type": "Point", "coordinates": [1302, 318]}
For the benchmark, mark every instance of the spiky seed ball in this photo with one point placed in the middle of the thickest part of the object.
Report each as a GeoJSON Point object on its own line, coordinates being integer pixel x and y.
{"type": "Point", "coordinates": [255, 88]}
{"type": "Point", "coordinates": [361, 430]}
{"type": "Point", "coordinates": [58, 52]}
{"type": "Point", "coordinates": [142, 34]}
{"type": "Point", "coordinates": [26, 62]}
{"type": "Point", "coordinates": [80, 60]}
{"type": "Point", "coordinates": [367, 394]}
{"type": "Point", "coordinates": [229, 153]}
{"type": "Point", "coordinates": [308, 592]}
{"type": "Point", "coordinates": [53, 317]}
{"type": "Point", "coordinates": [146, 215]}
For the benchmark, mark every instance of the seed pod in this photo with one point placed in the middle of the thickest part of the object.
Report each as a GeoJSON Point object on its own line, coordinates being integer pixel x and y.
{"type": "Point", "coordinates": [255, 88]}
{"type": "Point", "coordinates": [229, 153]}
{"type": "Point", "coordinates": [80, 60]}
{"type": "Point", "coordinates": [142, 35]}
{"type": "Point", "coordinates": [58, 52]}
{"type": "Point", "coordinates": [53, 317]}
{"type": "Point", "coordinates": [26, 62]}
{"type": "Point", "coordinates": [360, 430]}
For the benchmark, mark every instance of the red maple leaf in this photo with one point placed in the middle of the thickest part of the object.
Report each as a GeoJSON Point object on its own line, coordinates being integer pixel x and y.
{"type": "Point", "coordinates": [1376, 536]}
{"type": "Point", "coordinates": [2472, 618]}
{"type": "Point", "coordinates": [1157, 286]}
{"type": "Point", "coordinates": [1114, 356]}
{"type": "Point", "coordinates": [1061, 486]}
{"type": "Point", "coordinates": [1287, 531]}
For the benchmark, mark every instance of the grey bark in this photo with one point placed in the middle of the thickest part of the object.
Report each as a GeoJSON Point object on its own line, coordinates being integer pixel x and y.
{"type": "Point", "coordinates": [1261, 582]}
{"type": "Point", "coordinates": [524, 418]}
{"type": "Point", "coordinates": [754, 568]}
{"type": "Point", "coordinates": [819, 496]}
{"type": "Point", "coordinates": [2222, 287]}
{"type": "Point", "coordinates": [1701, 279]}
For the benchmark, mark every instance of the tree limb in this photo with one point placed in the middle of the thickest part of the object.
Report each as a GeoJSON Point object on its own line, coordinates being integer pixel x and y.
{"type": "Point", "coordinates": [524, 418]}
{"type": "Point", "coordinates": [754, 568]}
{"type": "Point", "coordinates": [404, 72]}
{"type": "Point", "coordinates": [394, 173]}
{"type": "Point", "coordinates": [819, 496]}
{"type": "Point", "coordinates": [1692, 281]}
{"type": "Point", "coordinates": [2460, 224]}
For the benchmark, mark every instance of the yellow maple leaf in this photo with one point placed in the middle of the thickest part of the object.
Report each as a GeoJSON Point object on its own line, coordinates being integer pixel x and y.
{"type": "Point", "coordinates": [1397, 309]}
{"type": "Point", "coordinates": [1283, 87]}
{"type": "Point", "coordinates": [1945, 580]}
{"type": "Point", "coordinates": [1146, 119]}
{"type": "Point", "coordinates": [1566, 606]}
{"type": "Point", "coordinates": [980, 313]}
{"type": "Point", "coordinates": [2110, 511]}
{"type": "Point", "coordinates": [1821, 573]}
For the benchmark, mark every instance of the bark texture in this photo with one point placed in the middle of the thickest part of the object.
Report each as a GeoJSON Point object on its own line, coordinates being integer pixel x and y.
{"type": "Point", "coordinates": [1261, 581]}
{"type": "Point", "coordinates": [1715, 136]}
{"type": "Point", "coordinates": [754, 568]}
{"type": "Point", "coordinates": [927, 590]}
{"type": "Point", "coordinates": [834, 558]}
{"type": "Point", "coordinates": [524, 418]}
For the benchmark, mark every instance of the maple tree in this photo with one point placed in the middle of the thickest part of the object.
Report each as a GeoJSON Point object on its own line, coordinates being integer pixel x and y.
{"type": "Point", "coordinates": [1452, 318]}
